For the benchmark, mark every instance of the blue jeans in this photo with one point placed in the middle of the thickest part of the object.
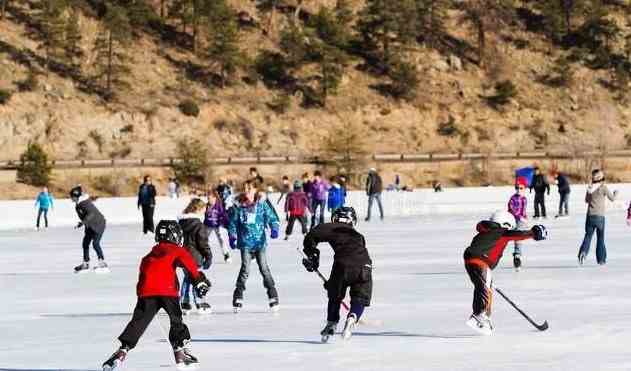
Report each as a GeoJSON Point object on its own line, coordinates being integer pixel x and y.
{"type": "Point", "coordinates": [244, 273]}
{"type": "Point", "coordinates": [95, 238]}
{"type": "Point", "coordinates": [595, 223]}
{"type": "Point", "coordinates": [41, 212]}
{"type": "Point", "coordinates": [563, 203]}
{"type": "Point", "coordinates": [371, 199]}
{"type": "Point", "coordinates": [317, 210]}
{"type": "Point", "coordinates": [187, 287]}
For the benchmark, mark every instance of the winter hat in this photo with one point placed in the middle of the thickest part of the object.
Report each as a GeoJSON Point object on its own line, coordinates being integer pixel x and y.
{"type": "Point", "coordinates": [597, 176]}
{"type": "Point", "coordinates": [297, 185]}
{"type": "Point", "coordinates": [521, 181]}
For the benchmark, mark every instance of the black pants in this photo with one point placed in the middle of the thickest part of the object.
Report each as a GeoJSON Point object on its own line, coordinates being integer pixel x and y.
{"type": "Point", "coordinates": [540, 203]}
{"type": "Point", "coordinates": [292, 220]}
{"type": "Point", "coordinates": [147, 218]}
{"type": "Point", "coordinates": [358, 278]}
{"type": "Point", "coordinates": [482, 293]}
{"type": "Point", "coordinates": [146, 309]}
{"type": "Point", "coordinates": [39, 216]}
{"type": "Point", "coordinates": [95, 238]}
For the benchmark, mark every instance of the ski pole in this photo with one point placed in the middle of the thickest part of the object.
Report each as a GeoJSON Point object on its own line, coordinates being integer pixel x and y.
{"type": "Point", "coordinates": [541, 327]}
{"type": "Point", "coordinates": [317, 271]}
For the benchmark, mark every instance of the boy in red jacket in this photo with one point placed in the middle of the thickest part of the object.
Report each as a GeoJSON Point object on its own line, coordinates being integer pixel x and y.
{"type": "Point", "coordinates": [483, 255]}
{"type": "Point", "coordinates": [296, 205]}
{"type": "Point", "coordinates": [158, 289]}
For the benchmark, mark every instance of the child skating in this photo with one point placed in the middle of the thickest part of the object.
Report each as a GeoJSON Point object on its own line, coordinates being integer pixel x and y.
{"type": "Point", "coordinates": [517, 207]}
{"type": "Point", "coordinates": [196, 241]}
{"type": "Point", "coordinates": [296, 205]}
{"type": "Point", "coordinates": [483, 255]}
{"type": "Point", "coordinates": [248, 221]}
{"type": "Point", "coordinates": [352, 268]}
{"type": "Point", "coordinates": [157, 289]}
{"type": "Point", "coordinates": [94, 225]}
{"type": "Point", "coordinates": [215, 219]}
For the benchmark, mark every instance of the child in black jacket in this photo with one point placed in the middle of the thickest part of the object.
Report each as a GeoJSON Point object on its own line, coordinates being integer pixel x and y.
{"type": "Point", "coordinates": [196, 241]}
{"type": "Point", "coordinates": [352, 267]}
{"type": "Point", "coordinates": [94, 223]}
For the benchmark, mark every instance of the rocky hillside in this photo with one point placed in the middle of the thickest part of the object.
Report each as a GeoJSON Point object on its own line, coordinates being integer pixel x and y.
{"type": "Point", "coordinates": [453, 108]}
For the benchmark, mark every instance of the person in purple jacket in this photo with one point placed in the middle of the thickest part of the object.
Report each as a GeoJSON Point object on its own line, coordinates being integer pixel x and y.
{"type": "Point", "coordinates": [517, 207]}
{"type": "Point", "coordinates": [319, 189]}
{"type": "Point", "coordinates": [216, 218]}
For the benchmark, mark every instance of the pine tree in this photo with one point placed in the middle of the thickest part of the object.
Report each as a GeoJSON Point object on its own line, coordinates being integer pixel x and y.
{"type": "Point", "coordinates": [387, 27]}
{"type": "Point", "coordinates": [72, 40]}
{"type": "Point", "coordinates": [329, 25]}
{"type": "Point", "coordinates": [331, 64]}
{"type": "Point", "coordinates": [52, 21]}
{"type": "Point", "coordinates": [111, 57]}
{"type": "Point", "coordinates": [431, 19]}
{"type": "Point", "coordinates": [192, 12]}
{"type": "Point", "coordinates": [487, 16]}
{"type": "Point", "coordinates": [223, 39]}
{"type": "Point", "coordinates": [559, 15]}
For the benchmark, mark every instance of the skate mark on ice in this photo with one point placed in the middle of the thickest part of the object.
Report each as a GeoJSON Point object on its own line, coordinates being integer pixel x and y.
{"type": "Point", "coordinates": [407, 334]}
{"type": "Point", "coordinates": [436, 273]}
{"type": "Point", "coordinates": [537, 267]}
{"type": "Point", "coordinates": [47, 369]}
{"type": "Point", "coordinates": [82, 315]}
{"type": "Point", "coordinates": [256, 341]}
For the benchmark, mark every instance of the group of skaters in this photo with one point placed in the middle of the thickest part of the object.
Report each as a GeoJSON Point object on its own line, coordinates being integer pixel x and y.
{"type": "Point", "coordinates": [250, 218]}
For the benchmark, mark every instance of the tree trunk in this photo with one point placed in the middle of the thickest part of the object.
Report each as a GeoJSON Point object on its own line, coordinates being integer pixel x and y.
{"type": "Point", "coordinates": [3, 9]}
{"type": "Point", "coordinates": [195, 27]}
{"type": "Point", "coordinates": [481, 41]}
{"type": "Point", "coordinates": [162, 10]}
{"type": "Point", "coordinates": [109, 62]}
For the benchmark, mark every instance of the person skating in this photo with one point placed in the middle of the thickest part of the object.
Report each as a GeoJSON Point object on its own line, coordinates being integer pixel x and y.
{"type": "Point", "coordinates": [296, 205]}
{"type": "Point", "coordinates": [215, 219]}
{"type": "Point", "coordinates": [541, 186]}
{"type": "Point", "coordinates": [483, 255]}
{"type": "Point", "coordinates": [285, 188]}
{"type": "Point", "coordinates": [94, 222]}
{"type": "Point", "coordinates": [374, 187]}
{"type": "Point", "coordinates": [352, 268]}
{"type": "Point", "coordinates": [43, 203]}
{"type": "Point", "coordinates": [256, 178]}
{"type": "Point", "coordinates": [147, 202]}
{"type": "Point", "coordinates": [224, 190]}
{"type": "Point", "coordinates": [517, 207]}
{"type": "Point", "coordinates": [319, 189]}
{"type": "Point", "coordinates": [248, 221]}
{"type": "Point", "coordinates": [337, 196]}
{"type": "Point", "coordinates": [563, 184]}
{"type": "Point", "coordinates": [596, 197]}
{"type": "Point", "coordinates": [196, 241]}
{"type": "Point", "coordinates": [157, 289]}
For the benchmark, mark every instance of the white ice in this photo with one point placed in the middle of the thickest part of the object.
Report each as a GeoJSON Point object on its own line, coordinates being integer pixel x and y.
{"type": "Point", "coordinates": [52, 319]}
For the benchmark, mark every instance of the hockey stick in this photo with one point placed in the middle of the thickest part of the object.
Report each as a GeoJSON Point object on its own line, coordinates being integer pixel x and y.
{"type": "Point", "coordinates": [541, 327]}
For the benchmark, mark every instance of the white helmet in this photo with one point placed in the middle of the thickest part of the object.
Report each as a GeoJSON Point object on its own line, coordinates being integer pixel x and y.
{"type": "Point", "coordinates": [504, 218]}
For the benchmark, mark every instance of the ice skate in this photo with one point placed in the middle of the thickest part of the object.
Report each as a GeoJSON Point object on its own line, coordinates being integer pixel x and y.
{"type": "Point", "coordinates": [82, 268]}
{"type": "Point", "coordinates": [226, 258]}
{"type": "Point", "coordinates": [116, 360]}
{"type": "Point", "coordinates": [101, 267]}
{"type": "Point", "coordinates": [273, 305]}
{"type": "Point", "coordinates": [329, 331]}
{"type": "Point", "coordinates": [186, 308]}
{"type": "Point", "coordinates": [203, 308]}
{"type": "Point", "coordinates": [237, 304]}
{"type": "Point", "coordinates": [517, 262]}
{"type": "Point", "coordinates": [581, 259]}
{"type": "Point", "coordinates": [349, 326]}
{"type": "Point", "coordinates": [481, 324]}
{"type": "Point", "coordinates": [184, 360]}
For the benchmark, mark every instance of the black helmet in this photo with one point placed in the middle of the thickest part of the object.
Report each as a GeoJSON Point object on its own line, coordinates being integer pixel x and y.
{"type": "Point", "coordinates": [345, 214]}
{"type": "Point", "coordinates": [169, 231]}
{"type": "Point", "coordinates": [76, 192]}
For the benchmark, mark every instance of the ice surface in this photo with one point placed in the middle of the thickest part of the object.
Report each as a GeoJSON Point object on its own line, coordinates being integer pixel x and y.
{"type": "Point", "coordinates": [52, 319]}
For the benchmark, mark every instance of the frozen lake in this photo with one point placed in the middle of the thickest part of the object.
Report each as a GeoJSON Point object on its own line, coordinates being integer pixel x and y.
{"type": "Point", "coordinates": [52, 319]}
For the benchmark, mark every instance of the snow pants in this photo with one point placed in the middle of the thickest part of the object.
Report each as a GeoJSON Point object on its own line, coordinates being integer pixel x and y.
{"type": "Point", "coordinates": [522, 226]}
{"type": "Point", "coordinates": [147, 218]}
{"type": "Point", "coordinates": [146, 309]}
{"type": "Point", "coordinates": [481, 277]}
{"type": "Point", "coordinates": [359, 279]}
{"type": "Point", "coordinates": [540, 204]}
{"type": "Point", "coordinates": [261, 259]}
{"type": "Point", "coordinates": [292, 220]}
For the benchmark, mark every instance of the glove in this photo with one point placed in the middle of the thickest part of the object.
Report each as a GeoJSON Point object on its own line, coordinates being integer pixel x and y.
{"type": "Point", "coordinates": [206, 262]}
{"type": "Point", "coordinates": [79, 225]}
{"type": "Point", "coordinates": [539, 232]}
{"type": "Point", "coordinates": [233, 242]}
{"type": "Point", "coordinates": [274, 233]}
{"type": "Point", "coordinates": [312, 261]}
{"type": "Point", "coordinates": [202, 285]}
